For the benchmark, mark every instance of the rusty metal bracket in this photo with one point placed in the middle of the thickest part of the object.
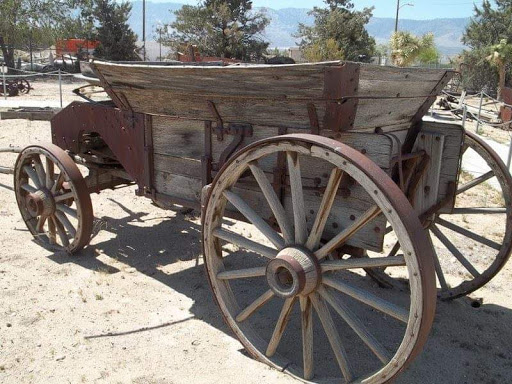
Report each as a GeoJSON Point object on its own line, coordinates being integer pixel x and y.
{"type": "Point", "coordinates": [123, 132]}
{"type": "Point", "coordinates": [207, 159]}
{"type": "Point", "coordinates": [219, 128]}
{"type": "Point", "coordinates": [240, 131]}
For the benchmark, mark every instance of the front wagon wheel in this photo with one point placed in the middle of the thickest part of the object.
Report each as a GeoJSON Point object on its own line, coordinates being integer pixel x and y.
{"type": "Point", "coordinates": [53, 198]}
{"type": "Point", "coordinates": [287, 300]}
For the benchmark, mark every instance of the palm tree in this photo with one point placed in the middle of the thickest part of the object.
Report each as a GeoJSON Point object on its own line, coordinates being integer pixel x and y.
{"type": "Point", "coordinates": [406, 48]}
{"type": "Point", "coordinates": [500, 57]}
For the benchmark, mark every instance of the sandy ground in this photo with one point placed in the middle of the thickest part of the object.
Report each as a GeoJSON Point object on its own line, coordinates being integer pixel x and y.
{"type": "Point", "coordinates": [134, 308]}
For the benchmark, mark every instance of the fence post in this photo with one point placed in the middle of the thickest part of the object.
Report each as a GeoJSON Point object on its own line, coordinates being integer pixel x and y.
{"type": "Point", "coordinates": [3, 81]}
{"type": "Point", "coordinates": [60, 87]}
{"type": "Point", "coordinates": [479, 111]}
{"type": "Point", "coordinates": [464, 115]}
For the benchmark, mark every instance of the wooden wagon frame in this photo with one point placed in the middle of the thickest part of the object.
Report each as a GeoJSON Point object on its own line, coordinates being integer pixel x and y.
{"type": "Point", "coordinates": [326, 161]}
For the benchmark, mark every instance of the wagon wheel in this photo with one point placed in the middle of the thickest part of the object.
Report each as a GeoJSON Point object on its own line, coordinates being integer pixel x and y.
{"type": "Point", "coordinates": [269, 292]}
{"type": "Point", "coordinates": [24, 86]}
{"type": "Point", "coordinates": [53, 198]}
{"type": "Point", "coordinates": [474, 241]}
{"type": "Point", "coordinates": [12, 88]}
{"type": "Point", "coordinates": [480, 224]}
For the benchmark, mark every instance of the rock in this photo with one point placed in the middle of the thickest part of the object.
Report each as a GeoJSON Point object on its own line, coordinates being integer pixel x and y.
{"type": "Point", "coordinates": [8, 325]}
{"type": "Point", "coordinates": [60, 357]}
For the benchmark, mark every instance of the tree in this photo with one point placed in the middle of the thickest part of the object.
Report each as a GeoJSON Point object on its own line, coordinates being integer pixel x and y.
{"type": "Point", "coordinates": [500, 57]}
{"type": "Point", "coordinates": [117, 39]}
{"type": "Point", "coordinates": [491, 23]}
{"type": "Point", "coordinates": [407, 48]}
{"type": "Point", "coordinates": [338, 33]}
{"type": "Point", "coordinates": [220, 28]}
{"type": "Point", "coordinates": [323, 50]}
{"type": "Point", "coordinates": [25, 23]}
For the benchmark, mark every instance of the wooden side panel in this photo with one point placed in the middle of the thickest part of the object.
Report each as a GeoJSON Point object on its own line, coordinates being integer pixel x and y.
{"type": "Point", "coordinates": [268, 95]}
{"type": "Point", "coordinates": [450, 162]}
{"type": "Point", "coordinates": [428, 190]}
{"type": "Point", "coordinates": [179, 146]}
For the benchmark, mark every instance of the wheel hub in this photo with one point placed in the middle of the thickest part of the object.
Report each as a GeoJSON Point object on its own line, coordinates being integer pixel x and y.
{"type": "Point", "coordinates": [40, 203]}
{"type": "Point", "coordinates": [295, 271]}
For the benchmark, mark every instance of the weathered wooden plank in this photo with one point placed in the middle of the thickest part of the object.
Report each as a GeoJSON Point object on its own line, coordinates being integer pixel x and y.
{"type": "Point", "coordinates": [178, 166]}
{"type": "Point", "coordinates": [255, 79]}
{"type": "Point", "coordinates": [185, 138]}
{"type": "Point", "coordinates": [344, 212]}
{"type": "Point", "coordinates": [279, 113]}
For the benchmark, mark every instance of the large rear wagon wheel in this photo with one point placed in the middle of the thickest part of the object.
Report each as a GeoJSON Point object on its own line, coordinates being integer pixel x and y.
{"type": "Point", "coordinates": [287, 301]}
{"type": "Point", "coordinates": [53, 198]}
{"type": "Point", "coordinates": [474, 241]}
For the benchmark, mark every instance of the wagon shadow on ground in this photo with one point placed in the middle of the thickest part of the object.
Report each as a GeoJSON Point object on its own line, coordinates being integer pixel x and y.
{"type": "Point", "coordinates": [468, 345]}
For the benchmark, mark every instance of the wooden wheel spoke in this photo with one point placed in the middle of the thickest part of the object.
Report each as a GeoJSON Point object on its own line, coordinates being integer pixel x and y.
{"type": "Point", "coordinates": [352, 320]}
{"type": "Point", "coordinates": [473, 183]}
{"type": "Point", "coordinates": [306, 311]}
{"type": "Point", "coordinates": [454, 251]}
{"type": "Point", "coordinates": [58, 183]}
{"type": "Point", "coordinates": [242, 273]}
{"type": "Point", "coordinates": [366, 262]}
{"type": "Point", "coordinates": [284, 316]}
{"type": "Point", "coordinates": [332, 335]}
{"type": "Point", "coordinates": [50, 173]}
{"type": "Point", "coordinates": [32, 175]}
{"type": "Point", "coordinates": [369, 299]}
{"type": "Point", "coordinates": [479, 211]}
{"type": "Point", "coordinates": [255, 219]}
{"type": "Point", "coordinates": [40, 224]}
{"type": "Point", "coordinates": [60, 231]}
{"type": "Point", "coordinates": [273, 202]}
{"type": "Point", "coordinates": [28, 188]}
{"type": "Point", "coordinates": [70, 211]}
{"type": "Point", "coordinates": [347, 233]}
{"type": "Point", "coordinates": [63, 197]}
{"type": "Point", "coordinates": [467, 233]}
{"type": "Point", "coordinates": [243, 242]}
{"type": "Point", "coordinates": [437, 266]}
{"type": "Point", "coordinates": [395, 249]}
{"type": "Point", "coordinates": [66, 223]}
{"type": "Point", "coordinates": [41, 174]}
{"type": "Point", "coordinates": [52, 235]}
{"type": "Point", "coordinates": [299, 211]}
{"type": "Point", "coordinates": [254, 306]}
{"type": "Point", "coordinates": [325, 208]}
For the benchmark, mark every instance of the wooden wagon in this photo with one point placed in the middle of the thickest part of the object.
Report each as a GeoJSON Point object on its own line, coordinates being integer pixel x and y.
{"type": "Point", "coordinates": [309, 179]}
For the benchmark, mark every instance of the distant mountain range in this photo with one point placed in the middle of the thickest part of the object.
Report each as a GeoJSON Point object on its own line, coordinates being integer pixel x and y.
{"type": "Point", "coordinates": [284, 23]}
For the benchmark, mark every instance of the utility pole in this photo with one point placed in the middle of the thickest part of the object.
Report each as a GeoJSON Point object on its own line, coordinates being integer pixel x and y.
{"type": "Point", "coordinates": [397, 13]}
{"type": "Point", "coordinates": [160, 31]}
{"type": "Point", "coordinates": [144, 28]}
{"type": "Point", "coordinates": [398, 8]}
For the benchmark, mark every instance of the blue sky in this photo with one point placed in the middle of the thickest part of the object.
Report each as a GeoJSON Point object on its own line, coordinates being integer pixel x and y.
{"type": "Point", "coordinates": [422, 9]}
